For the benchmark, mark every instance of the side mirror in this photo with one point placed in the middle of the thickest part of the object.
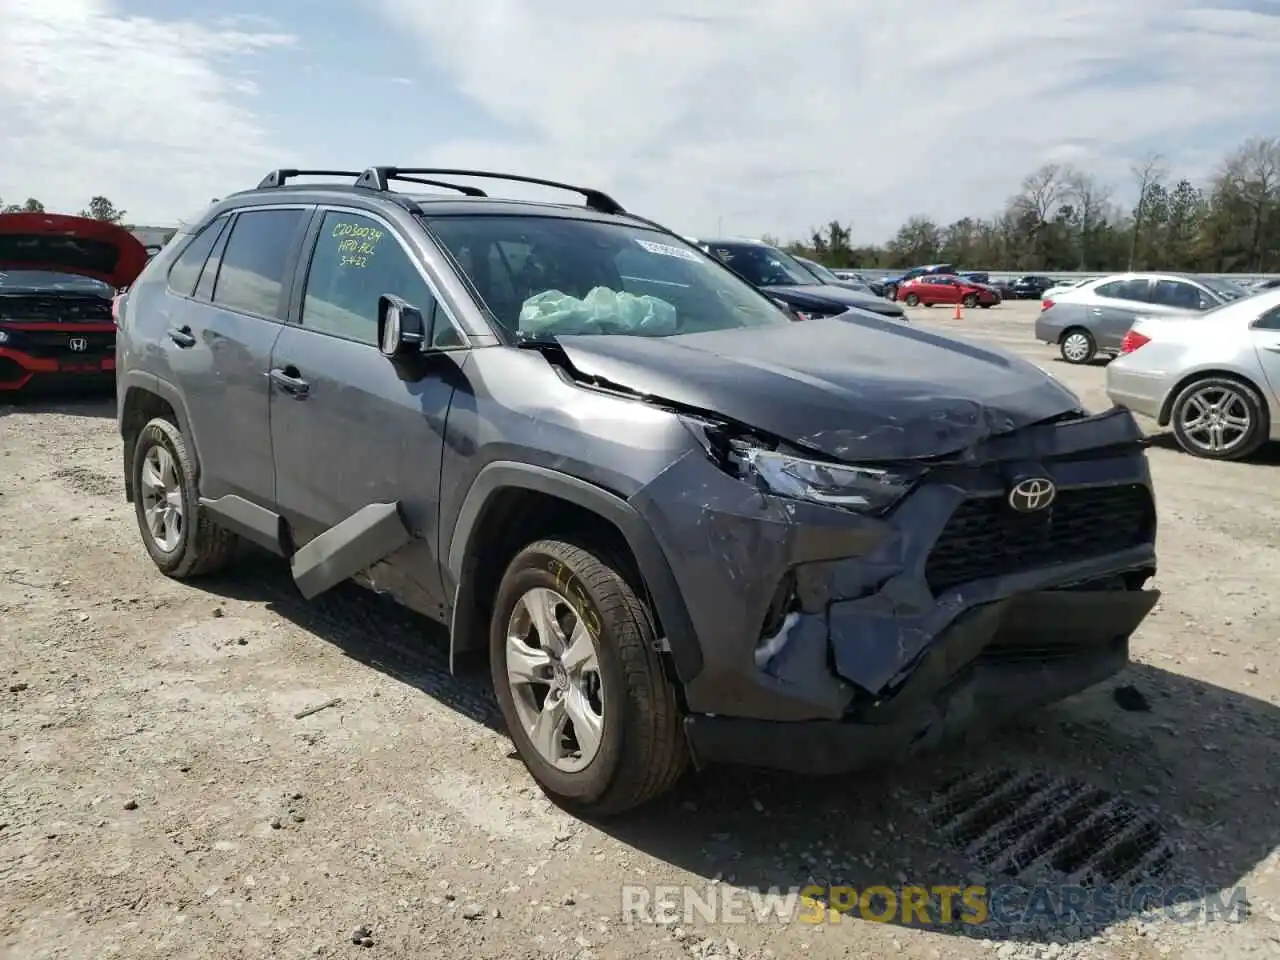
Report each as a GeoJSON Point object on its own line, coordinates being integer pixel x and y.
{"type": "Point", "coordinates": [402, 329]}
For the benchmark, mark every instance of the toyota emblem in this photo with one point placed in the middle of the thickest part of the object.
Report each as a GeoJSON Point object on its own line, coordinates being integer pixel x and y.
{"type": "Point", "coordinates": [1035, 493]}
{"type": "Point", "coordinates": [78, 344]}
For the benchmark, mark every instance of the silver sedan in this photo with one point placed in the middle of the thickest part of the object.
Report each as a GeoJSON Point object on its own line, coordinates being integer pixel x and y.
{"type": "Point", "coordinates": [1092, 318]}
{"type": "Point", "coordinates": [1215, 377]}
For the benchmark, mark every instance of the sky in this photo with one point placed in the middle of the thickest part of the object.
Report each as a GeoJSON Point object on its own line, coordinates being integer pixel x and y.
{"type": "Point", "coordinates": [773, 116]}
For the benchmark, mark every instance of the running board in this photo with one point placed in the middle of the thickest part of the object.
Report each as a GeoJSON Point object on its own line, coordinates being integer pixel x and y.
{"type": "Point", "coordinates": [357, 543]}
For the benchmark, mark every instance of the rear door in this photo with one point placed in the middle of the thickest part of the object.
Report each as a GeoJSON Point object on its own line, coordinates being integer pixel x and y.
{"type": "Point", "coordinates": [346, 431]}
{"type": "Point", "coordinates": [218, 343]}
{"type": "Point", "coordinates": [1114, 306]}
{"type": "Point", "coordinates": [1171, 297]}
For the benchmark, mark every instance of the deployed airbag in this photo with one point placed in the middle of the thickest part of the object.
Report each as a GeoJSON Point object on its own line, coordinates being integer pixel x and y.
{"type": "Point", "coordinates": [552, 312]}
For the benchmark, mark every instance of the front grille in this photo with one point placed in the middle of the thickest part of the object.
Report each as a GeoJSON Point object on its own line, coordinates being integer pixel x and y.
{"type": "Point", "coordinates": [56, 344]}
{"type": "Point", "coordinates": [986, 538]}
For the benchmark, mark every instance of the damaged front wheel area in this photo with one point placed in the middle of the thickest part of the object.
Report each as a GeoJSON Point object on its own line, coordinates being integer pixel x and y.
{"type": "Point", "coordinates": [579, 681]}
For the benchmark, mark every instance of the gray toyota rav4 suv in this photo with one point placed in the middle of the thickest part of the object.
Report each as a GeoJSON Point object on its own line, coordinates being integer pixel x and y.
{"type": "Point", "coordinates": [679, 524]}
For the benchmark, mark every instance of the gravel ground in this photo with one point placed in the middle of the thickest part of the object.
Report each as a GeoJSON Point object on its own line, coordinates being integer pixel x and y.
{"type": "Point", "coordinates": [161, 794]}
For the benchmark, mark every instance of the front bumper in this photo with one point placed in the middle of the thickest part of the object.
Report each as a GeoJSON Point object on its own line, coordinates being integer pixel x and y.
{"type": "Point", "coordinates": [20, 371]}
{"type": "Point", "coordinates": [999, 661]}
{"type": "Point", "coordinates": [51, 354]}
{"type": "Point", "coordinates": [869, 599]}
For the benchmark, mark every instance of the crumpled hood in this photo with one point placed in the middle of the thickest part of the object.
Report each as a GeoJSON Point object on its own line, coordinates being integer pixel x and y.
{"type": "Point", "coordinates": [829, 291]}
{"type": "Point", "coordinates": [854, 387]}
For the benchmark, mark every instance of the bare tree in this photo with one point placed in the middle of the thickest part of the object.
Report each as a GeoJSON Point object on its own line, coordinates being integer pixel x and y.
{"type": "Point", "coordinates": [1091, 198]}
{"type": "Point", "coordinates": [1148, 172]}
{"type": "Point", "coordinates": [1253, 176]}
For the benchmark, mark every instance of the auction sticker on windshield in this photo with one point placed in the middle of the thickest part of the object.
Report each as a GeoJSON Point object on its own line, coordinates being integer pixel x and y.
{"type": "Point", "coordinates": [664, 250]}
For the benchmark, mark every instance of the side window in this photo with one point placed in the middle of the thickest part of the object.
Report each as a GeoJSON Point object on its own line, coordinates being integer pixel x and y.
{"type": "Point", "coordinates": [356, 261]}
{"type": "Point", "coordinates": [1269, 320]}
{"type": "Point", "coordinates": [251, 277]}
{"type": "Point", "coordinates": [1135, 290]}
{"type": "Point", "coordinates": [186, 269]}
{"type": "Point", "coordinates": [1175, 293]}
{"type": "Point", "coordinates": [209, 275]}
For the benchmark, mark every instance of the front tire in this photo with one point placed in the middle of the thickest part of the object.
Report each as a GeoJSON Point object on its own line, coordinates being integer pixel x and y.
{"type": "Point", "coordinates": [970, 301]}
{"type": "Point", "coordinates": [578, 678]}
{"type": "Point", "coordinates": [1219, 418]}
{"type": "Point", "coordinates": [180, 536]}
{"type": "Point", "coordinates": [1078, 346]}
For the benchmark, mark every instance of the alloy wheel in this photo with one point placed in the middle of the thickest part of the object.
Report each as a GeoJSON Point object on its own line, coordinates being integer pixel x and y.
{"type": "Point", "coordinates": [553, 671]}
{"type": "Point", "coordinates": [162, 498]}
{"type": "Point", "coordinates": [1216, 419]}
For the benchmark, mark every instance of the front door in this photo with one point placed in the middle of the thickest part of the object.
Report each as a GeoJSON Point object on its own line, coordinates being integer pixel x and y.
{"type": "Point", "coordinates": [346, 431]}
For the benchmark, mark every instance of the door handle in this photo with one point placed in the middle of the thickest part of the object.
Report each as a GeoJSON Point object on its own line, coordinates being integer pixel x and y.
{"type": "Point", "coordinates": [288, 380]}
{"type": "Point", "coordinates": [182, 336]}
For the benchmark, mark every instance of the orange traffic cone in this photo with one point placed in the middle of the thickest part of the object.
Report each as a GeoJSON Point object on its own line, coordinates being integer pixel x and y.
{"type": "Point", "coordinates": [959, 312]}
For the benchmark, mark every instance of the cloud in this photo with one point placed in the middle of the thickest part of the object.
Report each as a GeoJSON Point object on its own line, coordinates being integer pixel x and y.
{"type": "Point", "coordinates": [776, 116]}
{"type": "Point", "coordinates": [149, 112]}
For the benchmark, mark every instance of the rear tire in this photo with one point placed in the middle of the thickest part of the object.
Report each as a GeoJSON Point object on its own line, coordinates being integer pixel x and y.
{"type": "Point", "coordinates": [1234, 401]}
{"type": "Point", "coordinates": [1077, 346]}
{"type": "Point", "coordinates": [912, 300]}
{"type": "Point", "coordinates": [637, 748]}
{"type": "Point", "coordinates": [181, 537]}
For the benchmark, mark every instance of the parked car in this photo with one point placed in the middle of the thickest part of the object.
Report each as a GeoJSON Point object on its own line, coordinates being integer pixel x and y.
{"type": "Point", "coordinates": [783, 278]}
{"type": "Point", "coordinates": [875, 284]}
{"type": "Point", "coordinates": [1269, 284]}
{"type": "Point", "coordinates": [825, 275]}
{"type": "Point", "coordinates": [891, 284]}
{"type": "Point", "coordinates": [1063, 286]}
{"type": "Point", "coordinates": [1030, 287]}
{"type": "Point", "coordinates": [941, 288]}
{"type": "Point", "coordinates": [59, 276]}
{"type": "Point", "coordinates": [979, 277]}
{"type": "Point", "coordinates": [678, 523]}
{"type": "Point", "coordinates": [1214, 376]}
{"type": "Point", "coordinates": [1094, 317]}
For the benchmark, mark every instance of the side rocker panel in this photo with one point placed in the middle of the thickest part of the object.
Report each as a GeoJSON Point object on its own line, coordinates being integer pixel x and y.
{"type": "Point", "coordinates": [662, 587]}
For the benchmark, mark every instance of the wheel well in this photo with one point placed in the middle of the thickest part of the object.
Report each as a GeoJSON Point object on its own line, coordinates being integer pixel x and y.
{"type": "Point", "coordinates": [1166, 409]}
{"type": "Point", "coordinates": [512, 519]}
{"type": "Point", "coordinates": [1072, 329]}
{"type": "Point", "coordinates": [140, 408]}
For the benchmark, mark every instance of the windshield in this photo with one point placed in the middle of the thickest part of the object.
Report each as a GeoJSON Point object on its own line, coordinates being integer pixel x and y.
{"type": "Point", "coordinates": [761, 265]}
{"type": "Point", "coordinates": [50, 280]}
{"type": "Point", "coordinates": [821, 272]}
{"type": "Point", "coordinates": [1225, 288]}
{"type": "Point", "coordinates": [544, 276]}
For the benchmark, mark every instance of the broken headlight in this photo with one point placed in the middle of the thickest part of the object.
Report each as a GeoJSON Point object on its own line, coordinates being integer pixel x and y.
{"type": "Point", "coordinates": [789, 473]}
{"type": "Point", "coordinates": [864, 489]}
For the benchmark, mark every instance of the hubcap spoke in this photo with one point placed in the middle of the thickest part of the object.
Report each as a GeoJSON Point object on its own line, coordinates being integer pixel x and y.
{"type": "Point", "coordinates": [588, 727]}
{"type": "Point", "coordinates": [526, 664]}
{"type": "Point", "coordinates": [580, 655]}
{"type": "Point", "coordinates": [547, 731]}
{"type": "Point", "coordinates": [161, 496]}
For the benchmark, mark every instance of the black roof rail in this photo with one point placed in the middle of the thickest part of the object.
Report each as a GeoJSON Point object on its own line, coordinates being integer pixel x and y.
{"type": "Point", "coordinates": [378, 178]}
{"type": "Point", "coordinates": [461, 188]}
{"type": "Point", "coordinates": [278, 178]}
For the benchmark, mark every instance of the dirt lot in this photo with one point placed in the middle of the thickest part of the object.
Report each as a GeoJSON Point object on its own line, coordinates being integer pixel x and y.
{"type": "Point", "coordinates": [160, 796]}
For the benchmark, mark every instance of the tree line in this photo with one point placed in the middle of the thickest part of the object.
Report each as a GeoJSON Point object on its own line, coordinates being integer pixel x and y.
{"type": "Point", "coordinates": [100, 208]}
{"type": "Point", "coordinates": [1063, 218]}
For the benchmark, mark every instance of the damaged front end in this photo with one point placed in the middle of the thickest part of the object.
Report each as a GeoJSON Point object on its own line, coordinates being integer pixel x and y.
{"type": "Point", "coordinates": [852, 613]}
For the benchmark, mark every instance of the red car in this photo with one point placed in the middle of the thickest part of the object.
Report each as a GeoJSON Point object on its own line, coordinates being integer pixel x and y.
{"type": "Point", "coordinates": [59, 279]}
{"type": "Point", "coordinates": [948, 289]}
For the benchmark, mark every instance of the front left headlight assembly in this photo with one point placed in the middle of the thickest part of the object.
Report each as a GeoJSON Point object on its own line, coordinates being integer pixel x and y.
{"type": "Point", "coordinates": [862, 489]}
